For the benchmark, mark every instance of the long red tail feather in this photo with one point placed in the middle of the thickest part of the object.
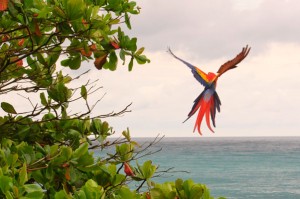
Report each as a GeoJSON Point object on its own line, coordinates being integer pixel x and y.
{"type": "Point", "coordinates": [203, 107]}
{"type": "Point", "coordinates": [207, 114]}
{"type": "Point", "coordinates": [208, 103]}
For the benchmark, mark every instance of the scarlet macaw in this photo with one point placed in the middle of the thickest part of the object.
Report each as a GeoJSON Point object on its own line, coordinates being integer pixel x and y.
{"type": "Point", "coordinates": [208, 101]}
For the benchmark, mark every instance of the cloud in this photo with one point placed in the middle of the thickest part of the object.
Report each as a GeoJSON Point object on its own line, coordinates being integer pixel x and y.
{"type": "Point", "coordinates": [260, 97]}
{"type": "Point", "coordinates": [211, 29]}
{"type": "Point", "coordinates": [261, 94]}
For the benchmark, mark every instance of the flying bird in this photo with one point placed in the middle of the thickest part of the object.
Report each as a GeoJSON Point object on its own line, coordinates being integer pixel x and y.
{"type": "Point", "coordinates": [208, 102]}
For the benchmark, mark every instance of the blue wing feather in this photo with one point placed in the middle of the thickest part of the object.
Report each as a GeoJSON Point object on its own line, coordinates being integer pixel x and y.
{"type": "Point", "coordinates": [193, 69]}
{"type": "Point", "coordinates": [216, 107]}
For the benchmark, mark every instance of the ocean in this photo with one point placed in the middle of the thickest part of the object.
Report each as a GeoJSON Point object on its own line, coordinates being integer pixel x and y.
{"type": "Point", "coordinates": [236, 168]}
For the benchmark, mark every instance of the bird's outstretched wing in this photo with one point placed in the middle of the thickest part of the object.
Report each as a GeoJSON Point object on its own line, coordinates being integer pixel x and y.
{"type": "Point", "coordinates": [198, 74]}
{"type": "Point", "coordinates": [233, 63]}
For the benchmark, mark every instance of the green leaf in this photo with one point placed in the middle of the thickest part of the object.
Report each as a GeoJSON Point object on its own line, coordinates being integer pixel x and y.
{"type": "Point", "coordinates": [54, 55]}
{"type": "Point", "coordinates": [105, 127]}
{"type": "Point", "coordinates": [127, 20]}
{"type": "Point", "coordinates": [12, 10]}
{"type": "Point", "coordinates": [53, 150]}
{"type": "Point", "coordinates": [5, 183]}
{"type": "Point", "coordinates": [122, 55]}
{"type": "Point", "coordinates": [126, 134]}
{"type": "Point", "coordinates": [124, 151]}
{"type": "Point", "coordinates": [62, 92]}
{"type": "Point", "coordinates": [115, 5]}
{"type": "Point", "coordinates": [157, 193]}
{"type": "Point", "coordinates": [61, 195]}
{"type": "Point", "coordinates": [99, 2]}
{"type": "Point", "coordinates": [85, 161]}
{"type": "Point", "coordinates": [118, 179]}
{"type": "Point", "coordinates": [8, 108]}
{"type": "Point", "coordinates": [67, 79]}
{"type": "Point", "coordinates": [65, 62]}
{"type": "Point", "coordinates": [75, 62]}
{"type": "Point", "coordinates": [131, 45]}
{"type": "Point", "coordinates": [193, 190]}
{"type": "Point", "coordinates": [83, 92]}
{"type": "Point", "coordinates": [113, 61]}
{"type": "Point", "coordinates": [28, 3]}
{"type": "Point", "coordinates": [148, 169]}
{"type": "Point", "coordinates": [52, 93]}
{"type": "Point", "coordinates": [23, 175]}
{"type": "Point", "coordinates": [125, 192]}
{"type": "Point", "coordinates": [34, 191]}
{"type": "Point", "coordinates": [130, 65]}
{"type": "Point", "coordinates": [59, 12]}
{"type": "Point", "coordinates": [12, 159]}
{"type": "Point", "coordinates": [17, 3]}
{"type": "Point", "coordinates": [8, 195]}
{"type": "Point", "coordinates": [65, 155]}
{"type": "Point", "coordinates": [178, 184]}
{"type": "Point", "coordinates": [141, 59]}
{"type": "Point", "coordinates": [39, 177]}
{"type": "Point", "coordinates": [114, 21]}
{"type": "Point", "coordinates": [66, 152]}
{"type": "Point", "coordinates": [165, 190]}
{"type": "Point", "coordinates": [196, 192]}
{"type": "Point", "coordinates": [143, 170]}
{"type": "Point", "coordinates": [206, 194]}
{"type": "Point", "coordinates": [41, 59]}
{"type": "Point", "coordinates": [44, 12]}
{"type": "Point", "coordinates": [75, 9]}
{"type": "Point", "coordinates": [83, 148]}
{"type": "Point", "coordinates": [92, 189]}
{"type": "Point", "coordinates": [35, 195]}
{"type": "Point", "coordinates": [140, 51]}
{"type": "Point", "coordinates": [32, 63]}
{"type": "Point", "coordinates": [43, 99]}
{"type": "Point", "coordinates": [79, 195]}
{"type": "Point", "coordinates": [96, 125]}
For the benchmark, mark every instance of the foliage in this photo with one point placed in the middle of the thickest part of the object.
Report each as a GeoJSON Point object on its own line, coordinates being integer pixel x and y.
{"type": "Point", "coordinates": [47, 151]}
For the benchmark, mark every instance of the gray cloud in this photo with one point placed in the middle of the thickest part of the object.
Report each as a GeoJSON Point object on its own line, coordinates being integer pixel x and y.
{"type": "Point", "coordinates": [211, 29]}
{"type": "Point", "coordinates": [260, 97]}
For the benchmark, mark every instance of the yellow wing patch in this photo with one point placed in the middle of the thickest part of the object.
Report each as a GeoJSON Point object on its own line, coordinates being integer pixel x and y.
{"type": "Point", "coordinates": [202, 74]}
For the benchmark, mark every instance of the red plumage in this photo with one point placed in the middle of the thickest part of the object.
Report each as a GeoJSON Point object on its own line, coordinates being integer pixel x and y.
{"type": "Point", "coordinates": [208, 101]}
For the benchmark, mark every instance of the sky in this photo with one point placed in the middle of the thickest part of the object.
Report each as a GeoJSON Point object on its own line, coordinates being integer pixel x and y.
{"type": "Point", "coordinates": [259, 98]}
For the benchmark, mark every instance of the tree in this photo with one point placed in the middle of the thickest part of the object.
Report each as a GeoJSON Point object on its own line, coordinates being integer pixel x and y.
{"type": "Point", "coordinates": [46, 151]}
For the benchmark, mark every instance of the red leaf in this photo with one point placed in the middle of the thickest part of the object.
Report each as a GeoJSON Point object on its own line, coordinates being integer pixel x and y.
{"type": "Point", "coordinates": [3, 5]}
{"type": "Point", "coordinates": [67, 174]}
{"type": "Point", "coordinates": [5, 37]}
{"type": "Point", "coordinates": [115, 45]}
{"type": "Point", "coordinates": [84, 22]}
{"type": "Point", "coordinates": [148, 196]}
{"type": "Point", "coordinates": [64, 165]}
{"type": "Point", "coordinates": [100, 61]}
{"type": "Point", "coordinates": [20, 63]}
{"type": "Point", "coordinates": [21, 42]}
{"type": "Point", "coordinates": [87, 54]}
{"type": "Point", "coordinates": [128, 170]}
{"type": "Point", "coordinates": [37, 28]}
{"type": "Point", "coordinates": [93, 47]}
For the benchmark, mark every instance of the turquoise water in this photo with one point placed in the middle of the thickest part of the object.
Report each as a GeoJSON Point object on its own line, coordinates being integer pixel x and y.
{"type": "Point", "coordinates": [245, 168]}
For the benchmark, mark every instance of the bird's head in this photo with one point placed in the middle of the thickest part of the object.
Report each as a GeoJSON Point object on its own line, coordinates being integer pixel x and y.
{"type": "Point", "coordinates": [211, 76]}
